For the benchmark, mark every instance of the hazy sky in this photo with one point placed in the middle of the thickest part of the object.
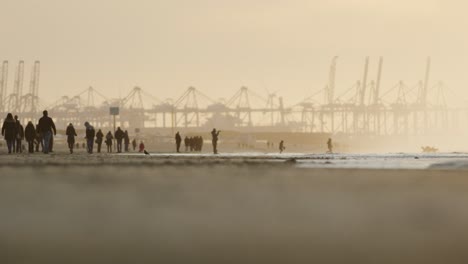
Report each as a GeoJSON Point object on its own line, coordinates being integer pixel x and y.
{"type": "Point", "coordinates": [218, 46]}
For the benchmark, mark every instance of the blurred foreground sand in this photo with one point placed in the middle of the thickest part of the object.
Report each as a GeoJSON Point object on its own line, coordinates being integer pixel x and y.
{"type": "Point", "coordinates": [80, 209]}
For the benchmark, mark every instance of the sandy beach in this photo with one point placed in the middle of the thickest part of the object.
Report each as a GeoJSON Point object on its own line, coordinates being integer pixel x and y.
{"type": "Point", "coordinates": [228, 209]}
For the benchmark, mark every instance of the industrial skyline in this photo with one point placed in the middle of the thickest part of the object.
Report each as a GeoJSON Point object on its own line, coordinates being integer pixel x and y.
{"type": "Point", "coordinates": [364, 108]}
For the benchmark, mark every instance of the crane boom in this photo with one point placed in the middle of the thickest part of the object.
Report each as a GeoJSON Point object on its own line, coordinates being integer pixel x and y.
{"type": "Point", "coordinates": [18, 87]}
{"type": "Point", "coordinates": [377, 83]}
{"type": "Point", "coordinates": [423, 98]}
{"type": "Point", "coordinates": [331, 82]}
{"type": "Point", "coordinates": [3, 84]}
{"type": "Point", "coordinates": [362, 94]}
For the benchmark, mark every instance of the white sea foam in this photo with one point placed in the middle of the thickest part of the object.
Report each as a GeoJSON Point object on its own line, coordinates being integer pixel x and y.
{"type": "Point", "coordinates": [341, 160]}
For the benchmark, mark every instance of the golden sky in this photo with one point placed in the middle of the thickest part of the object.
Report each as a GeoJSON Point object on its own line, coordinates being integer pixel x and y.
{"type": "Point", "coordinates": [218, 46]}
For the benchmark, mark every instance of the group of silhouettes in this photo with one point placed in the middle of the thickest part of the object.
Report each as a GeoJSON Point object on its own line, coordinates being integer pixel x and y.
{"type": "Point", "coordinates": [42, 135]}
{"type": "Point", "coordinates": [193, 143]}
{"type": "Point", "coordinates": [35, 135]}
{"type": "Point", "coordinates": [196, 143]}
{"type": "Point", "coordinates": [121, 138]}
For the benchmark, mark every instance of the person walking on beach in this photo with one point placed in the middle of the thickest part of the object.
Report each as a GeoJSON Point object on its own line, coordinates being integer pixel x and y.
{"type": "Point", "coordinates": [281, 146]}
{"type": "Point", "coordinates": [9, 131]}
{"type": "Point", "coordinates": [119, 135]}
{"type": "Point", "coordinates": [30, 135]}
{"type": "Point", "coordinates": [51, 143]}
{"type": "Point", "coordinates": [109, 139]}
{"type": "Point", "coordinates": [186, 143]}
{"type": "Point", "coordinates": [214, 140]}
{"type": "Point", "coordinates": [46, 126]}
{"type": "Point", "coordinates": [99, 137]}
{"type": "Point", "coordinates": [90, 134]}
{"type": "Point", "coordinates": [38, 139]}
{"type": "Point", "coordinates": [142, 147]}
{"type": "Point", "coordinates": [134, 144]}
{"type": "Point", "coordinates": [178, 140]}
{"type": "Point", "coordinates": [71, 134]}
{"type": "Point", "coordinates": [197, 143]}
{"type": "Point", "coordinates": [190, 143]}
{"type": "Point", "coordinates": [201, 144]}
{"type": "Point", "coordinates": [126, 141]}
{"type": "Point", "coordinates": [330, 146]}
{"type": "Point", "coordinates": [14, 142]}
{"type": "Point", "coordinates": [19, 136]}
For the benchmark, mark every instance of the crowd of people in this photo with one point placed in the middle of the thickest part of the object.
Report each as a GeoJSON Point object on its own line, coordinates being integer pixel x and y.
{"type": "Point", "coordinates": [35, 135]}
{"type": "Point", "coordinates": [42, 136]}
{"type": "Point", "coordinates": [120, 137]}
{"type": "Point", "coordinates": [193, 143]}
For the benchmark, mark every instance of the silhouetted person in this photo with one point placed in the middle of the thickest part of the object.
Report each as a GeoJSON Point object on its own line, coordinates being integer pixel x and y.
{"type": "Point", "coordinates": [330, 145]}
{"type": "Point", "coordinates": [77, 145]}
{"type": "Point", "coordinates": [142, 147]}
{"type": "Point", "coordinates": [39, 141]}
{"type": "Point", "coordinates": [30, 135]}
{"type": "Point", "coordinates": [51, 143]}
{"type": "Point", "coordinates": [134, 144]}
{"type": "Point", "coordinates": [83, 145]}
{"type": "Point", "coordinates": [46, 126]}
{"type": "Point", "coordinates": [119, 135]}
{"type": "Point", "coordinates": [99, 137]}
{"type": "Point", "coordinates": [109, 139]}
{"type": "Point", "coordinates": [190, 140]}
{"type": "Point", "coordinates": [214, 140]}
{"type": "Point", "coordinates": [14, 142]}
{"type": "Point", "coordinates": [196, 143]}
{"type": "Point", "coordinates": [90, 134]}
{"type": "Point", "coordinates": [178, 140]}
{"type": "Point", "coordinates": [281, 146]}
{"type": "Point", "coordinates": [9, 131]}
{"type": "Point", "coordinates": [126, 141]}
{"type": "Point", "coordinates": [19, 137]}
{"type": "Point", "coordinates": [71, 134]}
{"type": "Point", "coordinates": [186, 143]}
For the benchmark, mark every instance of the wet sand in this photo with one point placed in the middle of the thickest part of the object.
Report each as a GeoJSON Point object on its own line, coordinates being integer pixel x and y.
{"type": "Point", "coordinates": [134, 209]}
